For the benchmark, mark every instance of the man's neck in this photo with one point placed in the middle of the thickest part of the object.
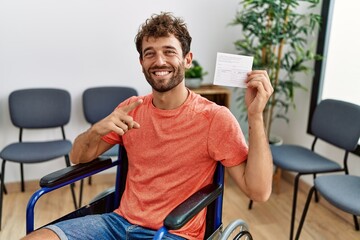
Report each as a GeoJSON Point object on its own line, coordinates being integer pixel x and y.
{"type": "Point", "coordinates": [171, 99]}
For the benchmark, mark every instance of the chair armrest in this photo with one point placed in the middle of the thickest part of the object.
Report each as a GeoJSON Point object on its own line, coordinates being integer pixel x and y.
{"type": "Point", "coordinates": [75, 171]}
{"type": "Point", "coordinates": [178, 217]}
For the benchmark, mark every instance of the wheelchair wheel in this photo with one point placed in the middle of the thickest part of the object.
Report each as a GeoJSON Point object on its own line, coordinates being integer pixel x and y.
{"type": "Point", "coordinates": [243, 235]}
{"type": "Point", "coordinates": [237, 230]}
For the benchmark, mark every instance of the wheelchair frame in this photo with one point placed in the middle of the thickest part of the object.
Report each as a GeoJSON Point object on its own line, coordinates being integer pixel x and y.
{"type": "Point", "coordinates": [210, 196]}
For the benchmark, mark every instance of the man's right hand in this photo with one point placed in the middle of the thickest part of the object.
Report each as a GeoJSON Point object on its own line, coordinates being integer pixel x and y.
{"type": "Point", "coordinates": [89, 145]}
{"type": "Point", "coordinates": [118, 121]}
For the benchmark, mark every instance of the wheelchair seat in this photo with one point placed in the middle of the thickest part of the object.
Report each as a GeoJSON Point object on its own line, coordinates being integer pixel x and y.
{"type": "Point", "coordinates": [211, 196]}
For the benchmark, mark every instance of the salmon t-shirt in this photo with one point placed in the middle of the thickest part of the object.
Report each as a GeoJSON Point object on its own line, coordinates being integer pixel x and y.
{"type": "Point", "coordinates": [174, 154]}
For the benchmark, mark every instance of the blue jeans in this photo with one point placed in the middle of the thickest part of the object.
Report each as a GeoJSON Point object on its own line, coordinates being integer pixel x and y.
{"type": "Point", "coordinates": [104, 226]}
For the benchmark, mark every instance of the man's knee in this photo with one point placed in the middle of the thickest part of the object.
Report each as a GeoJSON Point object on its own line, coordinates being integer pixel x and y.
{"type": "Point", "coordinates": [41, 234]}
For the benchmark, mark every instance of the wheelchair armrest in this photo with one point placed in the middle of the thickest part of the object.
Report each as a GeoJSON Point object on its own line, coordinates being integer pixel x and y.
{"type": "Point", "coordinates": [178, 217]}
{"type": "Point", "coordinates": [72, 172]}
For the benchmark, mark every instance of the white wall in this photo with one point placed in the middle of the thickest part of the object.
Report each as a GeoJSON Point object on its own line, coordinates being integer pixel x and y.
{"type": "Point", "coordinates": [75, 44]}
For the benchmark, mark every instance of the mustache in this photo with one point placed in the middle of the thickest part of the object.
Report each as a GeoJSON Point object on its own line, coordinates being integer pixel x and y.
{"type": "Point", "coordinates": [161, 68]}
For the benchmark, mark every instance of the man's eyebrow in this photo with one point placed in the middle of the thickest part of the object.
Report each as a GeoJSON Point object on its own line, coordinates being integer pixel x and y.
{"type": "Point", "coordinates": [147, 49]}
{"type": "Point", "coordinates": [169, 47]}
{"type": "Point", "coordinates": [164, 47]}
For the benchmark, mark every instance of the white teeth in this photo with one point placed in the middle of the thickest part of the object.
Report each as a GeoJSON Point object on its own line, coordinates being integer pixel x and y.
{"type": "Point", "coordinates": [161, 73]}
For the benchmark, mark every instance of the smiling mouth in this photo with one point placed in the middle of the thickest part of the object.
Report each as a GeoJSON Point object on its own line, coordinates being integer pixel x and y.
{"type": "Point", "coordinates": [161, 73]}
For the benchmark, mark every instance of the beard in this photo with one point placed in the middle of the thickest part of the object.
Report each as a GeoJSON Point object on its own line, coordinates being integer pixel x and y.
{"type": "Point", "coordinates": [165, 84]}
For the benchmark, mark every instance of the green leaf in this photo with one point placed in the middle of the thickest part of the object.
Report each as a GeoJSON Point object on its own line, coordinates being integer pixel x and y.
{"type": "Point", "coordinates": [273, 27]}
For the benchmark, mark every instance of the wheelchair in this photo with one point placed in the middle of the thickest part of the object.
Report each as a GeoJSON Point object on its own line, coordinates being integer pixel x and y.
{"type": "Point", "coordinates": [211, 196]}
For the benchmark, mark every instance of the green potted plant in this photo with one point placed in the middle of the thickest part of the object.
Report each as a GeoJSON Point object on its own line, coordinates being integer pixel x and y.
{"type": "Point", "coordinates": [276, 34]}
{"type": "Point", "coordinates": [194, 75]}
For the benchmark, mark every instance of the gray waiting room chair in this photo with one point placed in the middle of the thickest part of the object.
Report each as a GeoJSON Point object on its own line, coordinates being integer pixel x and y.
{"type": "Point", "coordinates": [37, 109]}
{"type": "Point", "coordinates": [334, 122]}
{"type": "Point", "coordinates": [342, 191]}
{"type": "Point", "coordinates": [99, 102]}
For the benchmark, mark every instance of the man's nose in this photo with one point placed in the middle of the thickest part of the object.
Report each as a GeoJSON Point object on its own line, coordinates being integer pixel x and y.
{"type": "Point", "coordinates": [160, 60]}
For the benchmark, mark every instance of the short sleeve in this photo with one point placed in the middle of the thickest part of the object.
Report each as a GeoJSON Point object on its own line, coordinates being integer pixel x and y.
{"type": "Point", "coordinates": [226, 141]}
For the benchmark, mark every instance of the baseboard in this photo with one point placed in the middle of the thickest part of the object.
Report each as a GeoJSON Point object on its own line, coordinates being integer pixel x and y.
{"type": "Point", "coordinates": [305, 187]}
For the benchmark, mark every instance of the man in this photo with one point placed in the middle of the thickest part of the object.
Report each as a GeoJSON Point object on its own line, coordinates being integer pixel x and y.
{"type": "Point", "coordinates": [174, 139]}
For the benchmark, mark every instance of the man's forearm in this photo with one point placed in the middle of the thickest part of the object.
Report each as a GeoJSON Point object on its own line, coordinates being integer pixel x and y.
{"type": "Point", "coordinates": [85, 147]}
{"type": "Point", "coordinates": [259, 167]}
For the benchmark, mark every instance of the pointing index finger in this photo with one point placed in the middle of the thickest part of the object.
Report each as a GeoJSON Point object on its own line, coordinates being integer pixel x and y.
{"type": "Point", "coordinates": [132, 106]}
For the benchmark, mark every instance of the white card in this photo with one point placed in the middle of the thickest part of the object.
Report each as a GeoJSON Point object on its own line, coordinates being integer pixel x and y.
{"type": "Point", "coordinates": [231, 69]}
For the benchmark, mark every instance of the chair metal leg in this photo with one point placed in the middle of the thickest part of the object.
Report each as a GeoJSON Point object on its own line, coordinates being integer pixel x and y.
{"type": "Point", "coordinates": [316, 193]}
{"type": "Point", "coordinates": [89, 180]}
{"type": "Point", "coordinates": [303, 216]}
{"type": "Point", "coordinates": [22, 177]}
{"type": "Point", "coordinates": [5, 191]}
{"type": "Point", "coordinates": [81, 192]}
{"type": "Point", "coordinates": [316, 196]}
{"type": "Point", "coordinates": [356, 223]}
{"type": "Point", "coordinates": [293, 211]}
{"type": "Point", "coordinates": [250, 204]}
{"type": "Point", "coordinates": [72, 186]}
{"type": "Point", "coordinates": [2, 187]}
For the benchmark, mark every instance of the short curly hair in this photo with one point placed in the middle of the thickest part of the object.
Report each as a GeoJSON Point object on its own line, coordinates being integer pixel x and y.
{"type": "Point", "coordinates": [164, 25]}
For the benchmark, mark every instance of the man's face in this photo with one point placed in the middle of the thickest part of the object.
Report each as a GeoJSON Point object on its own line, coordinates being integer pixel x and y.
{"type": "Point", "coordinates": [163, 63]}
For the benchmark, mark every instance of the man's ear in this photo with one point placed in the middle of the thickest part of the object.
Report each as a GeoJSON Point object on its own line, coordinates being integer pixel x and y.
{"type": "Point", "coordinates": [188, 60]}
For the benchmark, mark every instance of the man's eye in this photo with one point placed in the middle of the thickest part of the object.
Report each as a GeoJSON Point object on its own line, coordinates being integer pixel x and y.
{"type": "Point", "coordinates": [148, 54]}
{"type": "Point", "coordinates": [170, 52]}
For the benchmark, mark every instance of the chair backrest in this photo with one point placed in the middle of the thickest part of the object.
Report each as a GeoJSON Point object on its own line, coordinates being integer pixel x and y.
{"type": "Point", "coordinates": [338, 123]}
{"type": "Point", "coordinates": [98, 102]}
{"type": "Point", "coordinates": [40, 107]}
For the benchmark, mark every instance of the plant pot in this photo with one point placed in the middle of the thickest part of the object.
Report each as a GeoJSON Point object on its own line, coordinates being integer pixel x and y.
{"type": "Point", "coordinates": [275, 140]}
{"type": "Point", "coordinates": [193, 82]}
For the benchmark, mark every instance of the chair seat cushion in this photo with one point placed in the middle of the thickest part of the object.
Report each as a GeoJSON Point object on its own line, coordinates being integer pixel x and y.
{"type": "Point", "coordinates": [302, 160]}
{"type": "Point", "coordinates": [34, 152]}
{"type": "Point", "coordinates": [343, 191]}
{"type": "Point", "coordinates": [112, 152]}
